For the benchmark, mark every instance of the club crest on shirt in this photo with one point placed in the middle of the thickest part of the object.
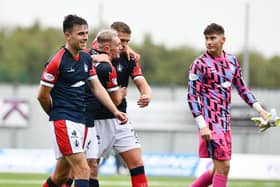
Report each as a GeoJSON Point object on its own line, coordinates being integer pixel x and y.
{"type": "Point", "coordinates": [86, 67]}
{"type": "Point", "coordinates": [48, 76]}
{"type": "Point", "coordinates": [193, 77]}
{"type": "Point", "coordinates": [120, 67]}
{"type": "Point", "coordinates": [226, 84]}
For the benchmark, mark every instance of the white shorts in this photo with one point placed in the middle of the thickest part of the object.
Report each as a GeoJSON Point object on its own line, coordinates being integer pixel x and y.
{"type": "Point", "coordinates": [91, 148]}
{"type": "Point", "coordinates": [68, 137]}
{"type": "Point", "coordinates": [112, 135]}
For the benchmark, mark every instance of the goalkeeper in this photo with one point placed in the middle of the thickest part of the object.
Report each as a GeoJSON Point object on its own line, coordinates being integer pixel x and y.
{"type": "Point", "coordinates": [211, 77]}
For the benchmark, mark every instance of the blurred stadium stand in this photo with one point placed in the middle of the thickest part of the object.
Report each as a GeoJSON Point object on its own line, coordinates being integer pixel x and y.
{"type": "Point", "coordinates": [166, 126]}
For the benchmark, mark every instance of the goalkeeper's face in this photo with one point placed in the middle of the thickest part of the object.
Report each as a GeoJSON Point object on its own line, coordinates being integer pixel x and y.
{"type": "Point", "coordinates": [214, 42]}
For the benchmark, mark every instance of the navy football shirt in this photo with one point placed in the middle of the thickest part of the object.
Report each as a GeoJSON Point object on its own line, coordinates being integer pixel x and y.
{"type": "Point", "coordinates": [68, 76]}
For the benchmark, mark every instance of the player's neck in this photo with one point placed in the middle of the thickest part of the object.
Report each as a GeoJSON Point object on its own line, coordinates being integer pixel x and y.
{"type": "Point", "coordinates": [73, 51]}
{"type": "Point", "coordinates": [217, 54]}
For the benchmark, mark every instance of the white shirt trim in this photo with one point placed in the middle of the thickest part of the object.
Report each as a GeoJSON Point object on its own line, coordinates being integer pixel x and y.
{"type": "Point", "coordinates": [138, 77]}
{"type": "Point", "coordinates": [92, 77]}
{"type": "Point", "coordinates": [46, 84]}
{"type": "Point", "coordinates": [113, 89]}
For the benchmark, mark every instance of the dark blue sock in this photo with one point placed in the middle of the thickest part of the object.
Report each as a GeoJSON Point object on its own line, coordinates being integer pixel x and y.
{"type": "Point", "coordinates": [137, 171]}
{"type": "Point", "coordinates": [81, 183]}
{"type": "Point", "coordinates": [93, 183]}
{"type": "Point", "coordinates": [49, 183]}
{"type": "Point", "coordinates": [69, 182]}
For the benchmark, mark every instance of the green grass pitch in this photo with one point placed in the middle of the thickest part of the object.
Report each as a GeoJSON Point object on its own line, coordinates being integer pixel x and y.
{"type": "Point", "coordinates": [36, 180]}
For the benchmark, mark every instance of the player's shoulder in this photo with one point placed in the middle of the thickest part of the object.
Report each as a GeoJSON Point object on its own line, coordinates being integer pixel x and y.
{"type": "Point", "coordinates": [231, 58]}
{"type": "Point", "coordinates": [85, 54]}
{"type": "Point", "coordinates": [201, 60]}
{"type": "Point", "coordinates": [56, 57]}
{"type": "Point", "coordinates": [103, 66]}
{"type": "Point", "coordinates": [92, 51]}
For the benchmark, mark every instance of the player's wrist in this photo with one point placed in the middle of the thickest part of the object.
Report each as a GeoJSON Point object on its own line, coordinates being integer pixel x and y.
{"type": "Point", "coordinates": [257, 106]}
{"type": "Point", "coordinates": [201, 123]}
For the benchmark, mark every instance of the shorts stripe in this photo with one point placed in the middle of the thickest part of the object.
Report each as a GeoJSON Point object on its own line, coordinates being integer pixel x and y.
{"type": "Point", "coordinates": [85, 136]}
{"type": "Point", "coordinates": [62, 137]}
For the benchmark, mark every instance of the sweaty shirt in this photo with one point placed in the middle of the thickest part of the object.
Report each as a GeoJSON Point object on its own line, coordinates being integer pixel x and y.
{"type": "Point", "coordinates": [209, 89]}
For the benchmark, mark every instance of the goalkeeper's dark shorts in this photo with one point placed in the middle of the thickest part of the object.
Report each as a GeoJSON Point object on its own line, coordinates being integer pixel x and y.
{"type": "Point", "coordinates": [219, 147]}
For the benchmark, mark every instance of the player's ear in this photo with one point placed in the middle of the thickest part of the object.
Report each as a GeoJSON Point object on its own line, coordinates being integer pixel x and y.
{"type": "Point", "coordinates": [67, 35]}
{"type": "Point", "coordinates": [223, 39]}
{"type": "Point", "coordinates": [106, 49]}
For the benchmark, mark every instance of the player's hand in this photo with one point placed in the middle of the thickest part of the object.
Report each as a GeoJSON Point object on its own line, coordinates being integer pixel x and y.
{"type": "Point", "coordinates": [262, 124]}
{"type": "Point", "coordinates": [131, 54]}
{"type": "Point", "coordinates": [100, 58]}
{"type": "Point", "coordinates": [205, 133]}
{"type": "Point", "coordinates": [264, 114]}
{"type": "Point", "coordinates": [121, 116]}
{"type": "Point", "coordinates": [267, 120]}
{"type": "Point", "coordinates": [143, 101]}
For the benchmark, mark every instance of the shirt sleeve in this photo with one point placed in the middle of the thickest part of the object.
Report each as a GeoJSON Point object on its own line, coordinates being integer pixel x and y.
{"type": "Point", "coordinates": [92, 72]}
{"type": "Point", "coordinates": [107, 75]}
{"type": "Point", "coordinates": [136, 72]}
{"type": "Point", "coordinates": [195, 85]}
{"type": "Point", "coordinates": [50, 73]}
{"type": "Point", "coordinates": [245, 93]}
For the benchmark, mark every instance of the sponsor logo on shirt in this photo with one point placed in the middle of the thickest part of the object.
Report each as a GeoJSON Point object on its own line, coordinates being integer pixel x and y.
{"type": "Point", "coordinates": [48, 76]}
{"type": "Point", "coordinates": [78, 84]}
{"type": "Point", "coordinates": [70, 70]}
{"type": "Point", "coordinates": [226, 84]}
{"type": "Point", "coordinates": [193, 77]}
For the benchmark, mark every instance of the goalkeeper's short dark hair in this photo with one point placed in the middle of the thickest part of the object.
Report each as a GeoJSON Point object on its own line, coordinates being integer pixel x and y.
{"type": "Point", "coordinates": [214, 28]}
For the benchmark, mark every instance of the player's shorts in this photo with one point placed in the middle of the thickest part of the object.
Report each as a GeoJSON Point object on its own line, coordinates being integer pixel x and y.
{"type": "Point", "coordinates": [112, 135]}
{"type": "Point", "coordinates": [219, 147]}
{"type": "Point", "coordinates": [68, 137]}
{"type": "Point", "coordinates": [91, 146]}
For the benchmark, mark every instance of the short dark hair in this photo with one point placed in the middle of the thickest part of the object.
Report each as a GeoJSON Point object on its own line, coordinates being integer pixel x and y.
{"type": "Point", "coordinates": [214, 28]}
{"type": "Point", "coordinates": [71, 20]}
{"type": "Point", "coordinates": [121, 27]}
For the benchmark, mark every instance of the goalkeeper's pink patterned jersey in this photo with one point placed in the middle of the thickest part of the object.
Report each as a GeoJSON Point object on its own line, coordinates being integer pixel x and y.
{"type": "Point", "coordinates": [209, 89]}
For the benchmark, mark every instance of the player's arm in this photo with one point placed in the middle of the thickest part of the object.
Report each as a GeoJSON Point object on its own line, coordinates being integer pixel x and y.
{"type": "Point", "coordinates": [44, 98]}
{"type": "Point", "coordinates": [130, 53]}
{"type": "Point", "coordinates": [100, 58]}
{"type": "Point", "coordinates": [246, 94]}
{"type": "Point", "coordinates": [141, 84]}
{"type": "Point", "coordinates": [257, 106]}
{"type": "Point", "coordinates": [99, 91]}
{"type": "Point", "coordinates": [145, 92]}
{"type": "Point", "coordinates": [48, 80]}
{"type": "Point", "coordinates": [116, 97]}
{"type": "Point", "coordinates": [108, 78]}
{"type": "Point", "coordinates": [195, 84]}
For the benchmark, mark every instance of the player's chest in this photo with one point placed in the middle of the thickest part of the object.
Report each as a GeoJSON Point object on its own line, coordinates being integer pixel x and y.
{"type": "Point", "coordinates": [123, 70]}
{"type": "Point", "coordinates": [73, 71]}
{"type": "Point", "coordinates": [221, 73]}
